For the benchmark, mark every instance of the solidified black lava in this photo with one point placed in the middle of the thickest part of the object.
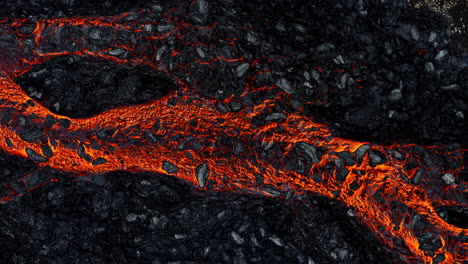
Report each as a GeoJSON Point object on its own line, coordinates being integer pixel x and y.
{"type": "Point", "coordinates": [149, 218]}
{"type": "Point", "coordinates": [378, 71]}
{"type": "Point", "coordinates": [455, 215]}
{"type": "Point", "coordinates": [81, 87]}
{"type": "Point", "coordinates": [61, 8]}
{"type": "Point", "coordinates": [13, 169]}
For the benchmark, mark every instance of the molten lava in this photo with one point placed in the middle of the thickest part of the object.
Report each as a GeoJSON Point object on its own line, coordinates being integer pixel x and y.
{"type": "Point", "coordinates": [374, 188]}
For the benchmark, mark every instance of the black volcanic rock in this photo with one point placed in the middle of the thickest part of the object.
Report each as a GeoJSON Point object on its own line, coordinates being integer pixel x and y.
{"type": "Point", "coordinates": [80, 87]}
{"type": "Point", "coordinates": [61, 8]}
{"type": "Point", "coordinates": [146, 218]}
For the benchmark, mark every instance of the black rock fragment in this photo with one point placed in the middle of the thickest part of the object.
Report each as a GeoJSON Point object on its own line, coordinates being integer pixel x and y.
{"type": "Point", "coordinates": [347, 157]}
{"type": "Point", "coordinates": [82, 153]}
{"type": "Point", "coordinates": [259, 178]}
{"type": "Point", "coordinates": [156, 126]}
{"type": "Point", "coordinates": [454, 215]}
{"type": "Point", "coordinates": [317, 177]}
{"type": "Point", "coordinates": [99, 161]}
{"type": "Point", "coordinates": [99, 179]}
{"type": "Point", "coordinates": [342, 171]}
{"type": "Point", "coordinates": [36, 157]}
{"type": "Point", "coordinates": [47, 151]}
{"type": "Point", "coordinates": [8, 142]}
{"type": "Point", "coordinates": [150, 137]}
{"type": "Point", "coordinates": [50, 121]}
{"type": "Point", "coordinates": [222, 107]}
{"type": "Point", "coordinates": [31, 133]}
{"type": "Point", "coordinates": [438, 259]}
{"type": "Point", "coordinates": [65, 123]}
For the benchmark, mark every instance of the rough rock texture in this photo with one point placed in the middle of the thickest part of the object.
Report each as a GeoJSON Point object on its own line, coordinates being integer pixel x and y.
{"type": "Point", "coordinates": [457, 12]}
{"type": "Point", "coordinates": [80, 87]}
{"type": "Point", "coordinates": [145, 218]}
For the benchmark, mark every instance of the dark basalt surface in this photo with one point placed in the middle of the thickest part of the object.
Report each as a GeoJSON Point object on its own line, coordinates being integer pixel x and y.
{"type": "Point", "coordinates": [122, 217]}
{"type": "Point", "coordinates": [61, 8]}
{"type": "Point", "coordinates": [80, 87]}
{"type": "Point", "coordinates": [376, 73]}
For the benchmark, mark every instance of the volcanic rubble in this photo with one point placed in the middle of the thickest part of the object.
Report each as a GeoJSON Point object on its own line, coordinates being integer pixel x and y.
{"type": "Point", "coordinates": [378, 71]}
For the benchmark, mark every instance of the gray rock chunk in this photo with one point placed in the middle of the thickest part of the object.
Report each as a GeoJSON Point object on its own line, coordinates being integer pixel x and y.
{"type": "Point", "coordinates": [252, 37]}
{"type": "Point", "coordinates": [150, 137]}
{"type": "Point", "coordinates": [200, 52]}
{"type": "Point", "coordinates": [310, 150]}
{"type": "Point", "coordinates": [414, 32]}
{"type": "Point", "coordinates": [238, 149]}
{"type": "Point", "coordinates": [397, 155]}
{"type": "Point", "coordinates": [169, 167]}
{"type": "Point", "coordinates": [278, 117]}
{"type": "Point", "coordinates": [165, 27]}
{"type": "Point", "coordinates": [376, 158]}
{"type": "Point", "coordinates": [417, 177]}
{"type": "Point", "coordinates": [202, 172]}
{"type": "Point", "coordinates": [448, 178]}
{"type": "Point", "coordinates": [242, 69]}
{"type": "Point", "coordinates": [449, 87]}
{"type": "Point", "coordinates": [361, 151]}
{"type": "Point", "coordinates": [347, 157]}
{"type": "Point", "coordinates": [285, 85]}
{"type": "Point", "coordinates": [222, 107]}
{"type": "Point", "coordinates": [272, 190]}
{"type": "Point", "coordinates": [202, 7]}
{"type": "Point", "coordinates": [429, 67]}
{"type": "Point", "coordinates": [441, 54]}
{"type": "Point", "coordinates": [395, 95]}
{"type": "Point", "coordinates": [95, 34]}
{"type": "Point", "coordinates": [116, 52]}
{"type": "Point", "coordinates": [237, 238]}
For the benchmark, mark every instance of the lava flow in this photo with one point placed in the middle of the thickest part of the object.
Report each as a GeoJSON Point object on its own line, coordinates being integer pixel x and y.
{"type": "Point", "coordinates": [197, 138]}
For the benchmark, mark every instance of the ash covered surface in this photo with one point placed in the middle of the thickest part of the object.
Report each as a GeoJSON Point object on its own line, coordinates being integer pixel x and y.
{"type": "Point", "coordinates": [376, 71]}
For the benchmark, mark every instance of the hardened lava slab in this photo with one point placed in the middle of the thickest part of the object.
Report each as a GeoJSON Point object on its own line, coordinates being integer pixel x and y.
{"type": "Point", "coordinates": [81, 87]}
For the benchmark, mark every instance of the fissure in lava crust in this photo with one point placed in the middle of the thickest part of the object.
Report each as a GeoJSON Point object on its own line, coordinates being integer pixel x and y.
{"type": "Point", "coordinates": [309, 132]}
